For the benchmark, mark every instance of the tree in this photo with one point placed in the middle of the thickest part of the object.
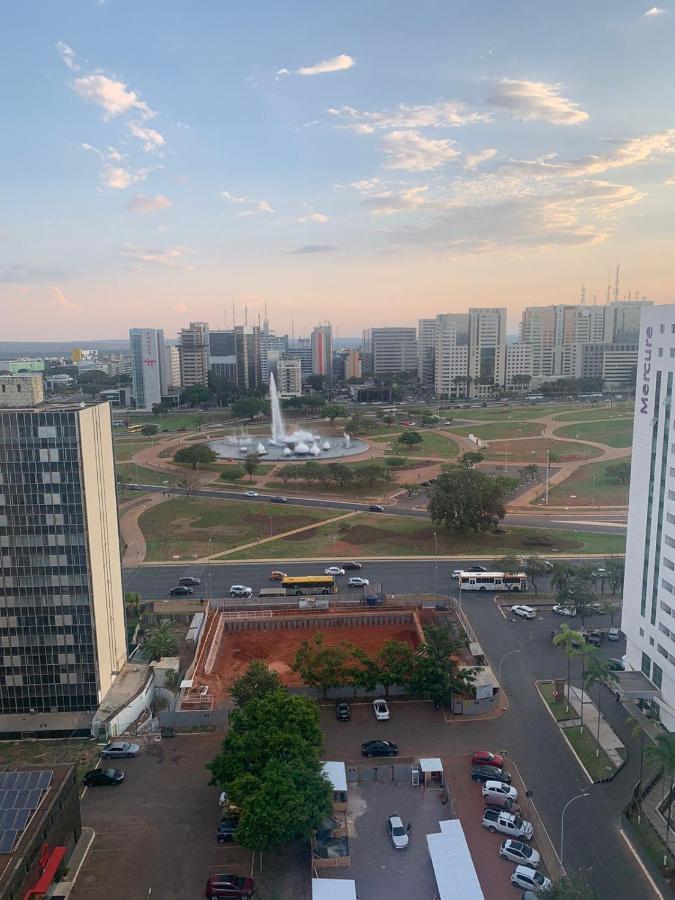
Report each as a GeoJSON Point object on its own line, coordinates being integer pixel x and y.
{"type": "Point", "coordinates": [561, 574]}
{"type": "Point", "coordinates": [465, 500]}
{"type": "Point", "coordinates": [334, 411]}
{"type": "Point", "coordinates": [160, 641]}
{"type": "Point", "coordinates": [616, 570]}
{"type": "Point", "coordinates": [258, 681]}
{"type": "Point", "coordinates": [510, 564]}
{"type": "Point", "coordinates": [317, 382]}
{"type": "Point", "coordinates": [410, 439]}
{"type": "Point", "coordinates": [435, 675]}
{"type": "Point", "coordinates": [196, 395]}
{"type": "Point", "coordinates": [395, 661]}
{"type": "Point", "coordinates": [340, 473]}
{"type": "Point", "coordinates": [189, 482]}
{"type": "Point", "coordinates": [521, 382]}
{"type": "Point", "coordinates": [598, 671]}
{"type": "Point", "coordinates": [471, 458]}
{"type": "Point", "coordinates": [365, 671]}
{"type": "Point", "coordinates": [535, 567]}
{"type": "Point", "coordinates": [321, 665]}
{"type": "Point", "coordinates": [233, 473]}
{"type": "Point", "coordinates": [251, 463]}
{"type": "Point", "coordinates": [160, 409]}
{"type": "Point", "coordinates": [571, 641]}
{"type": "Point", "coordinates": [662, 752]}
{"type": "Point", "coordinates": [572, 887]}
{"type": "Point", "coordinates": [249, 408]}
{"type": "Point", "coordinates": [149, 429]}
{"type": "Point", "coordinates": [531, 472]}
{"type": "Point", "coordinates": [619, 471]}
{"type": "Point", "coordinates": [577, 594]}
{"type": "Point", "coordinates": [195, 455]}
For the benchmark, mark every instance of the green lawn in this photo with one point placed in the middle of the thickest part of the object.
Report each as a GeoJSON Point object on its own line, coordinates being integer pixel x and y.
{"type": "Point", "coordinates": [174, 421]}
{"type": "Point", "coordinates": [185, 527]}
{"type": "Point", "coordinates": [143, 475]}
{"type": "Point", "coordinates": [125, 450]}
{"type": "Point", "coordinates": [502, 413]}
{"type": "Point", "coordinates": [614, 433]}
{"type": "Point", "coordinates": [533, 450]}
{"type": "Point", "coordinates": [584, 414]}
{"type": "Point", "coordinates": [372, 534]}
{"type": "Point", "coordinates": [82, 754]}
{"type": "Point", "coordinates": [433, 444]}
{"type": "Point", "coordinates": [590, 486]}
{"type": "Point", "coordinates": [651, 840]}
{"type": "Point", "coordinates": [496, 431]}
{"type": "Point", "coordinates": [585, 745]}
{"type": "Point", "coordinates": [559, 710]}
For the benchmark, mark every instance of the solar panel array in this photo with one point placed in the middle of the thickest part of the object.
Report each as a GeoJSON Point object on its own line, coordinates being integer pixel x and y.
{"type": "Point", "coordinates": [20, 796]}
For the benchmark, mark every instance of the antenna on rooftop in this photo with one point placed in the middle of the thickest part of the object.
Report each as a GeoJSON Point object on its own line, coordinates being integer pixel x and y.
{"type": "Point", "coordinates": [583, 294]}
{"type": "Point", "coordinates": [609, 284]}
{"type": "Point", "coordinates": [616, 282]}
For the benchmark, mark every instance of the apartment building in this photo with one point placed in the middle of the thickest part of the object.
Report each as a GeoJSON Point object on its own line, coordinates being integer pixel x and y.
{"type": "Point", "coordinates": [289, 378]}
{"type": "Point", "coordinates": [519, 366]}
{"type": "Point", "coordinates": [394, 350]}
{"type": "Point", "coordinates": [194, 354]}
{"type": "Point", "coordinates": [427, 334]}
{"type": "Point", "coordinates": [487, 350]}
{"type": "Point", "coordinates": [352, 364]}
{"type": "Point", "coordinates": [150, 375]}
{"type": "Point", "coordinates": [452, 355]}
{"type": "Point", "coordinates": [322, 351]}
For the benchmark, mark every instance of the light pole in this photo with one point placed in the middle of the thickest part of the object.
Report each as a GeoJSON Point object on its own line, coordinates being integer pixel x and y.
{"type": "Point", "coordinates": [270, 521]}
{"type": "Point", "coordinates": [208, 571]}
{"type": "Point", "coordinates": [562, 827]}
{"type": "Point", "coordinates": [436, 564]}
{"type": "Point", "coordinates": [499, 671]}
{"type": "Point", "coordinates": [548, 469]}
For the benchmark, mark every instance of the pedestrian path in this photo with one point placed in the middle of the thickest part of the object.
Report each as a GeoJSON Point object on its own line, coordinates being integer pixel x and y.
{"type": "Point", "coordinates": [606, 737]}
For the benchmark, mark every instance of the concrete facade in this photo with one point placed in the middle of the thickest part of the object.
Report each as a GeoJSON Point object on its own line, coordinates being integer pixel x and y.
{"type": "Point", "coordinates": [289, 378]}
{"type": "Point", "coordinates": [17, 391]}
{"type": "Point", "coordinates": [148, 366]}
{"type": "Point", "coordinates": [194, 354]}
{"type": "Point", "coordinates": [394, 350]}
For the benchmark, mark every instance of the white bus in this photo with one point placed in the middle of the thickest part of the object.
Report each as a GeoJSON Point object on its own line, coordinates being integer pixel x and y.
{"type": "Point", "coordinates": [492, 581]}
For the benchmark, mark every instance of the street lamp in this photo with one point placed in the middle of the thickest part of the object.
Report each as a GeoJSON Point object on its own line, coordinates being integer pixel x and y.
{"type": "Point", "coordinates": [562, 826]}
{"type": "Point", "coordinates": [436, 564]}
{"type": "Point", "coordinates": [499, 671]}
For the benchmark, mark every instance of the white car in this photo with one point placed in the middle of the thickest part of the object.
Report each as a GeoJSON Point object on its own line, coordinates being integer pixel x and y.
{"type": "Point", "coordinates": [334, 570]}
{"type": "Point", "coordinates": [525, 612]}
{"type": "Point", "coordinates": [560, 610]}
{"type": "Point", "coordinates": [251, 493]}
{"type": "Point", "coordinates": [381, 710]}
{"type": "Point", "coordinates": [518, 852]}
{"type": "Point", "coordinates": [240, 590]}
{"type": "Point", "coordinates": [357, 581]}
{"type": "Point", "coordinates": [497, 790]}
{"type": "Point", "coordinates": [530, 880]}
{"type": "Point", "coordinates": [456, 573]}
{"type": "Point", "coordinates": [397, 832]}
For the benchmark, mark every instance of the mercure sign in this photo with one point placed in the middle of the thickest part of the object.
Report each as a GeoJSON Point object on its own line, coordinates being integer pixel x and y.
{"type": "Point", "coordinates": [646, 370]}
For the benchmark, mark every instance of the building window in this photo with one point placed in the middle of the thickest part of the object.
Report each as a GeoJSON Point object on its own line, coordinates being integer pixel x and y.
{"type": "Point", "coordinates": [646, 665]}
{"type": "Point", "coordinates": [642, 632]}
{"type": "Point", "coordinates": [660, 351]}
{"type": "Point", "coordinates": [651, 641]}
{"type": "Point", "coordinates": [657, 676]}
{"type": "Point", "coordinates": [662, 650]}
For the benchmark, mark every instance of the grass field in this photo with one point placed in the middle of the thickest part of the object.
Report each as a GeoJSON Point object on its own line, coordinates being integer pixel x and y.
{"type": "Point", "coordinates": [174, 421]}
{"type": "Point", "coordinates": [621, 411]}
{"type": "Point", "coordinates": [142, 475]}
{"type": "Point", "coordinates": [614, 433]}
{"type": "Point", "coordinates": [590, 486]}
{"type": "Point", "coordinates": [125, 450]}
{"type": "Point", "coordinates": [366, 535]}
{"type": "Point", "coordinates": [432, 445]}
{"type": "Point", "coordinates": [534, 451]}
{"type": "Point", "coordinates": [504, 413]}
{"type": "Point", "coordinates": [82, 754]}
{"type": "Point", "coordinates": [185, 527]}
{"type": "Point", "coordinates": [561, 711]}
{"type": "Point", "coordinates": [497, 430]}
{"type": "Point", "coordinates": [585, 745]}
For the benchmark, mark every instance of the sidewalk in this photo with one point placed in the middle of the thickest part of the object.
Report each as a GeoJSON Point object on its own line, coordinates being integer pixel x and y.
{"type": "Point", "coordinates": [608, 740]}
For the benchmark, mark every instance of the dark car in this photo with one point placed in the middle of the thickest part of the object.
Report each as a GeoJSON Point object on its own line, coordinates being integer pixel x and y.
{"type": "Point", "coordinates": [181, 590]}
{"type": "Point", "coordinates": [342, 712]}
{"type": "Point", "coordinates": [616, 665]}
{"type": "Point", "coordinates": [594, 638]}
{"type": "Point", "coordinates": [489, 773]}
{"type": "Point", "coordinates": [189, 581]}
{"type": "Point", "coordinates": [226, 831]}
{"type": "Point", "coordinates": [375, 507]}
{"type": "Point", "coordinates": [379, 748]}
{"type": "Point", "coordinates": [231, 886]}
{"type": "Point", "coordinates": [278, 500]}
{"type": "Point", "coordinates": [476, 569]}
{"type": "Point", "coordinates": [352, 566]}
{"type": "Point", "coordinates": [103, 777]}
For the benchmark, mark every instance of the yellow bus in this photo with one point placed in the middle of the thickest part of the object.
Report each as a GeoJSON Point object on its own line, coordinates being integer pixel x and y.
{"type": "Point", "coordinates": [309, 584]}
{"type": "Point", "coordinates": [134, 429]}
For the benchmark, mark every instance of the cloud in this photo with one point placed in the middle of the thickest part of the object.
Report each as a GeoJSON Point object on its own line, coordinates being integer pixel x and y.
{"type": "Point", "coordinates": [385, 203]}
{"type": "Point", "coordinates": [114, 97]}
{"type": "Point", "coordinates": [655, 11]}
{"type": "Point", "coordinates": [442, 114]}
{"type": "Point", "coordinates": [60, 300]}
{"type": "Point", "coordinates": [166, 256]}
{"type": "Point", "coordinates": [114, 175]}
{"type": "Point", "coordinates": [151, 139]}
{"type": "Point", "coordinates": [536, 100]}
{"type": "Point", "coordinates": [20, 274]}
{"type": "Point", "coordinates": [315, 248]}
{"type": "Point", "coordinates": [630, 152]}
{"type": "Point", "coordinates": [280, 73]}
{"type": "Point", "coordinates": [67, 54]}
{"type": "Point", "coordinates": [144, 203]}
{"type": "Point", "coordinates": [412, 151]}
{"type": "Point", "coordinates": [473, 160]}
{"type": "Point", "coordinates": [334, 64]}
{"type": "Point", "coordinates": [249, 207]}
{"type": "Point", "coordinates": [318, 217]}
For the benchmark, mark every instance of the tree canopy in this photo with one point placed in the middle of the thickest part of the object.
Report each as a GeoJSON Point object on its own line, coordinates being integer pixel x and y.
{"type": "Point", "coordinates": [256, 682]}
{"type": "Point", "coordinates": [249, 408]}
{"type": "Point", "coordinates": [196, 395]}
{"type": "Point", "coordinates": [195, 455]}
{"type": "Point", "coordinates": [465, 500]}
{"type": "Point", "coordinates": [410, 438]}
{"type": "Point", "coordinates": [334, 411]}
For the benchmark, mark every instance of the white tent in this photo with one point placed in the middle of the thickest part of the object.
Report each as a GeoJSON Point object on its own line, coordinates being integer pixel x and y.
{"type": "Point", "coordinates": [333, 889]}
{"type": "Point", "coordinates": [453, 867]}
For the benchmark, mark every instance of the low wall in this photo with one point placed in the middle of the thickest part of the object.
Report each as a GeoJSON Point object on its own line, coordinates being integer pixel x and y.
{"type": "Point", "coordinates": [127, 715]}
{"type": "Point", "coordinates": [324, 620]}
{"type": "Point", "coordinates": [198, 718]}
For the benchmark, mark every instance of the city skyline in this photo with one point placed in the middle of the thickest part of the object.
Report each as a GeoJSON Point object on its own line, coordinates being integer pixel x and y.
{"type": "Point", "coordinates": [443, 161]}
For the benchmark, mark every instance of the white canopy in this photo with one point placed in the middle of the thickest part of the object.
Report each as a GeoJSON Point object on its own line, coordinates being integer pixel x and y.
{"type": "Point", "coordinates": [333, 889]}
{"type": "Point", "coordinates": [336, 773]}
{"type": "Point", "coordinates": [431, 764]}
{"type": "Point", "coordinates": [453, 867]}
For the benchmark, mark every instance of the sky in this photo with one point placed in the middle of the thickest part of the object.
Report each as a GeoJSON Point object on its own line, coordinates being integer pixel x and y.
{"type": "Point", "coordinates": [367, 162]}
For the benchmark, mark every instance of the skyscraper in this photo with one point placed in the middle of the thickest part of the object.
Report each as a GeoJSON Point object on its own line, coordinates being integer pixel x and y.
{"type": "Point", "coordinates": [427, 334]}
{"type": "Point", "coordinates": [149, 375]}
{"type": "Point", "coordinates": [394, 350]}
{"type": "Point", "coordinates": [452, 355]}
{"type": "Point", "coordinates": [352, 364]}
{"type": "Point", "coordinates": [194, 354]}
{"type": "Point", "coordinates": [322, 351]}
{"type": "Point", "coordinates": [62, 630]}
{"type": "Point", "coordinates": [487, 350]}
{"type": "Point", "coordinates": [248, 352]}
{"type": "Point", "coordinates": [289, 378]}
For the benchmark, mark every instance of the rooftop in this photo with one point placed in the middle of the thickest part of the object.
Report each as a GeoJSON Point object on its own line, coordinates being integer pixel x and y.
{"type": "Point", "coordinates": [336, 773]}
{"type": "Point", "coordinates": [128, 683]}
{"type": "Point", "coordinates": [333, 889]}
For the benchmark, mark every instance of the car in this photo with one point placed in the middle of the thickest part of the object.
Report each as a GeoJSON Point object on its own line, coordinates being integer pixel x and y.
{"type": "Point", "coordinates": [398, 833]}
{"type": "Point", "coordinates": [507, 823]}
{"type": "Point", "coordinates": [181, 590]}
{"type": "Point", "coordinates": [240, 590]}
{"type": "Point", "coordinates": [524, 612]}
{"type": "Point", "coordinates": [457, 572]}
{"type": "Point", "coordinates": [614, 634]}
{"type": "Point", "coordinates": [357, 581]}
{"type": "Point", "coordinates": [561, 610]}
{"type": "Point", "coordinates": [118, 749]}
{"type": "Point", "coordinates": [487, 758]}
{"type": "Point", "coordinates": [333, 570]}
{"type": "Point", "coordinates": [352, 566]}
{"type": "Point", "coordinates": [251, 494]}
{"type": "Point", "coordinates": [103, 777]}
{"type": "Point", "coordinates": [278, 576]}
{"type": "Point", "coordinates": [594, 638]}
{"type": "Point", "coordinates": [489, 773]}
{"type": "Point", "coordinates": [189, 581]}
{"type": "Point", "coordinates": [497, 790]}
{"type": "Point", "coordinates": [343, 711]}
{"type": "Point", "coordinates": [518, 852]}
{"type": "Point", "coordinates": [594, 608]}
{"type": "Point", "coordinates": [375, 507]}
{"type": "Point", "coordinates": [379, 748]}
{"type": "Point", "coordinates": [226, 831]}
{"type": "Point", "coordinates": [599, 573]}
{"type": "Point", "coordinates": [381, 710]}
{"type": "Point", "coordinates": [278, 500]}
{"type": "Point", "coordinates": [237, 887]}
{"type": "Point", "coordinates": [530, 880]}
{"type": "Point", "coordinates": [476, 569]}
{"type": "Point", "coordinates": [616, 665]}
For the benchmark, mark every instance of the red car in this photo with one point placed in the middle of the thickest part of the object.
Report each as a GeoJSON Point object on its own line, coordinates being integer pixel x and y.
{"type": "Point", "coordinates": [485, 758]}
{"type": "Point", "coordinates": [237, 887]}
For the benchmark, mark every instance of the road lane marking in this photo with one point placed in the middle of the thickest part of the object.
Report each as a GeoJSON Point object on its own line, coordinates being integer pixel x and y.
{"type": "Point", "coordinates": [645, 871]}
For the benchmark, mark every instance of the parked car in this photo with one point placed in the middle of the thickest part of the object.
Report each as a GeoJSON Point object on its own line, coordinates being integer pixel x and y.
{"type": "Point", "coordinates": [397, 831]}
{"type": "Point", "coordinates": [240, 590]}
{"type": "Point", "coordinates": [524, 612]}
{"type": "Point", "coordinates": [616, 665]}
{"type": "Point", "coordinates": [343, 711]}
{"type": "Point", "coordinates": [251, 493]}
{"type": "Point", "coordinates": [375, 507]}
{"type": "Point", "coordinates": [226, 831]}
{"type": "Point", "coordinates": [518, 852]}
{"type": "Point", "coordinates": [614, 634]}
{"type": "Point", "coordinates": [497, 790]}
{"type": "Point", "coordinates": [599, 573]}
{"type": "Point", "coordinates": [507, 823]}
{"type": "Point", "coordinates": [181, 590]}
{"type": "Point", "coordinates": [357, 581]}
{"type": "Point", "coordinates": [278, 500]}
{"type": "Point", "coordinates": [189, 581]}
{"type": "Point", "coordinates": [530, 879]}
{"type": "Point", "coordinates": [237, 887]}
{"type": "Point", "coordinates": [379, 748]}
{"type": "Point", "coordinates": [487, 758]}
{"type": "Point", "coordinates": [476, 569]}
{"type": "Point", "coordinates": [594, 608]}
{"type": "Point", "coordinates": [333, 570]}
{"type": "Point", "coordinates": [352, 566]}
{"type": "Point", "coordinates": [103, 777]}
{"type": "Point", "coordinates": [594, 638]}
{"type": "Point", "coordinates": [561, 610]}
{"type": "Point", "coordinates": [118, 749]}
{"type": "Point", "coordinates": [278, 576]}
{"type": "Point", "coordinates": [489, 773]}
{"type": "Point", "coordinates": [381, 710]}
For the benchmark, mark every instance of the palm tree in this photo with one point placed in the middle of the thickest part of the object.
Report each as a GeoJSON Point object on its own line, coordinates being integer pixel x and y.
{"type": "Point", "coordinates": [598, 672]}
{"type": "Point", "coordinates": [663, 753]}
{"type": "Point", "coordinates": [560, 575]}
{"type": "Point", "coordinates": [161, 641]}
{"type": "Point", "coordinates": [639, 730]}
{"type": "Point", "coordinates": [571, 641]}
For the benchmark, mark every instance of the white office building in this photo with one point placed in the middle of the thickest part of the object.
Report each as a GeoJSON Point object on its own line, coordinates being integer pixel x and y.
{"type": "Point", "coordinates": [427, 335]}
{"type": "Point", "coordinates": [394, 350]}
{"type": "Point", "coordinates": [148, 366]}
{"type": "Point", "coordinates": [487, 350]}
{"type": "Point", "coordinates": [452, 355]}
{"type": "Point", "coordinates": [648, 617]}
{"type": "Point", "coordinates": [519, 368]}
